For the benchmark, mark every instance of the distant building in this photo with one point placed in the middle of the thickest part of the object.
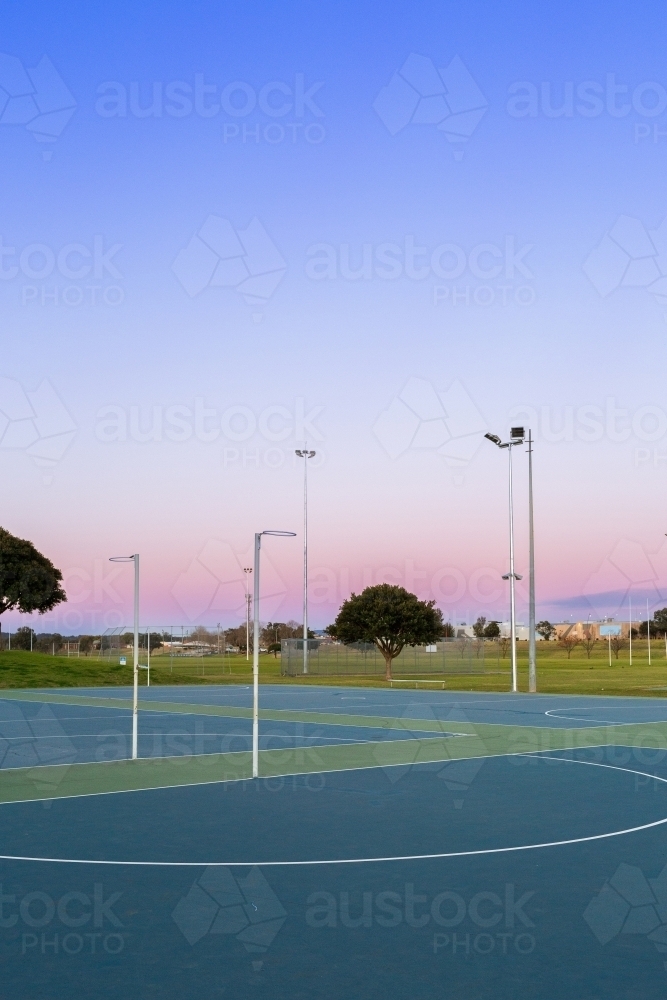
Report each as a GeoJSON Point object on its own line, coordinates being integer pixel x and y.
{"type": "Point", "coordinates": [581, 630]}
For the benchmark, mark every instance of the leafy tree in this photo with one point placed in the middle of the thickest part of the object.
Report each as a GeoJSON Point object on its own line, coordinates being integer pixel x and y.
{"type": "Point", "coordinates": [276, 631]}
{"type": "Point", "coordinates": [21, 638]}
{"type": "Point", "coordinates": [478, 627]}
{"type": "Point", "coordinates": [157, 639]}
{"type": "Point", "coordinates": [235, 637]}
{"type": "Point", "coordinates": [492, 630]}
{"type": "Point", "coordinates": [660, 620]}
{"type": "Point", "coordinates": [504, 643]}
{"type": "Point", "coordinates": [448, 630]}
{"type": "Point", "coordinates": [85, 643]}
{"type": "Point", "coordinates": [274, 648]}
{"type": "Point", "coordinates": [28, 580]}
{"type": "Point", "coordinates": [390, 617]}
{"type": "Point", "coordinates": [658, 627]}
{"type": "Point", "coordinates": [546, 630]}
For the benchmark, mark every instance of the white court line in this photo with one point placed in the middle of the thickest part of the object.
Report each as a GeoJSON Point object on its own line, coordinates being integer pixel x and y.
{"type": "Point", "coordinates": [433, 734]}
{"type": "Point", "coordinates": [362, 861]}
{"type": "Point", "coordinates": [577, 718]}
{"type": "Point", "coordinates": [600, 722]}
{"type": "Point", "coordinates": [230, 753]}
{"type": "Point", "coordinates": [265, 721]}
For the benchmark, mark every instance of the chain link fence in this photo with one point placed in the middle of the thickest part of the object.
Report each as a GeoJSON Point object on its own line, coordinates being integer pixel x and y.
{"type": "Point", "coordinates": [325, 659]}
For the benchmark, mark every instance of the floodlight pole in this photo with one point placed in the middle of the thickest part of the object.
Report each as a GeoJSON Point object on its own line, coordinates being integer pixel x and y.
{"type": "Point", "coordinates": [135, 699]}
{"type": "Point", "coordinates": [255, 662]}
{"type": "Point", "coordinates": [532, 660]}
{"type": "Point", "coordinates": [511, 575]}
{"type": "Point", "coordinates": [516, 437]}
{"type": "Point", "coordinates": [305, 455]}
{"type": "Point", "coordinates": [255, 648]}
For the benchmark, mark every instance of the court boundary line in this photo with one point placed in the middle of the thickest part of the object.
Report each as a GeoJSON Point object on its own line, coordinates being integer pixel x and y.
{"type": "Point", "coordinates": [266, 719]}
{"type": "Point", "coordinates": [230, 753]}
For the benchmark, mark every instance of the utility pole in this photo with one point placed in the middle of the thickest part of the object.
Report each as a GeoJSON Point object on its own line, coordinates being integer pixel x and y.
{"type": "Point", "coordinates": [305, 454]}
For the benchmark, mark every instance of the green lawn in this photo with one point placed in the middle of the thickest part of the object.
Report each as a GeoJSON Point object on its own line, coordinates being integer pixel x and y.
{"type": "Point", "coordinates": [556, 673]}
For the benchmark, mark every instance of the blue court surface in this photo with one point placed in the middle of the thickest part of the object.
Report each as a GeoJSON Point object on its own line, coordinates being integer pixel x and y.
{"type": "Point", "coordinates": [491, 872]}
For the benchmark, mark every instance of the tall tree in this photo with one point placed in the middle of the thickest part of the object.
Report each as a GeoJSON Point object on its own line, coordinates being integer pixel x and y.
{"type": "Point", "coordinates": [22, 636]}
{"type": "Point", "coordinates": [390, 617]}
{"type": "Point", "coordinates": [658, 624]}
{"type": "Point", "coordinates": [545, 629]}
{"type": "Point", "coordinates": [28, 580]}
{"type": "Point", "coordinates": [478, 627]}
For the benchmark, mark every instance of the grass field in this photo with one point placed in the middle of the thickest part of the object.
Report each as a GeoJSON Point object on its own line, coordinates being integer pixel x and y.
{"type": "Point", "coordinates": [556, 673]}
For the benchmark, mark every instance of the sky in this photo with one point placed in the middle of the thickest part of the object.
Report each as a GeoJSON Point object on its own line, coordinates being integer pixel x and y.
{"type": "Point", "coordinates": [229, 229]}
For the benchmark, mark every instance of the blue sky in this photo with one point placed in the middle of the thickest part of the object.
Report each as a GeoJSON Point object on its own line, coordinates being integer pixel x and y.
{"type": "Point", "coordinates": [527, 199]}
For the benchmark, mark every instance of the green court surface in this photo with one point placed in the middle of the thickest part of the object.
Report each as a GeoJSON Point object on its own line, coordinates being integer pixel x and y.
{"type": "Point", "coordinates": [459, 741]}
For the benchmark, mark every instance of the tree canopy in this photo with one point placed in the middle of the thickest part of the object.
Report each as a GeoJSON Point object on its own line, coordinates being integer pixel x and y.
{"type": "Point", "coordinates": [22, 636]}
{"type": "Point", "coordinates": [391, 618]}
{"type": "Point", "coordinates": [28, 580]}
{"type": "Point", "coordinates": [482, 629]}
{"type": "Point", "coordinates": [479, 626]}
{"type": "Point", "coordinates": [545, 629]}
{"type": "Point", "coordinates": [658, 624]}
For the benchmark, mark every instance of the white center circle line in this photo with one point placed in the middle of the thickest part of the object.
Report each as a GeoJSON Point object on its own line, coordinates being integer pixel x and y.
{"type": "Point", "coordinates": [578, 718]}
{"type": "Point", "coordinates": [362, 861]}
